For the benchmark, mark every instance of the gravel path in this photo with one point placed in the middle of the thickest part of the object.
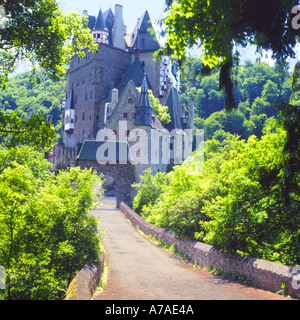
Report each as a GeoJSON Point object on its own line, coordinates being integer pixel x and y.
{"type": "Point", "coordinates": [141, 270]}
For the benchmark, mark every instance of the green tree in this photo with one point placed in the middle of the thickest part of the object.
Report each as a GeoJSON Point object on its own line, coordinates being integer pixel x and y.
{"type": "Point", "coordinates": [38, 31]}
{"type": "Point", "coordinates": [46, 234]}
{"type": "Point", "coordinates": [35, 131]}
{"type": "Point", "coordinates": [221, 27]}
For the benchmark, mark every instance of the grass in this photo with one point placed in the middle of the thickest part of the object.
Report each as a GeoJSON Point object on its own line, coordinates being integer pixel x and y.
{"type": "Point", "coordinates": [102, 281]}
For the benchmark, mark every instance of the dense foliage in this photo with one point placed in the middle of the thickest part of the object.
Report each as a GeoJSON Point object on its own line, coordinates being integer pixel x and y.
{"type": "Point", "coordinates": [32, 104]}
{"type": "Point", "coordinates": [236, 203]}
{"type": "Point", "coordinates": [259, 86]}
{"type": "Point", "coordinates": [39, 32]}
{"type": "Point", "coordinates": [46, 235]}
{"type": "Point", "coordinates": [221, 28]}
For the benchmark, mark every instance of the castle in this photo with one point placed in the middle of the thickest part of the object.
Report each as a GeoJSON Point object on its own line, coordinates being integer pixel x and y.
{"type": "Point", "coordinates": [108, 90]}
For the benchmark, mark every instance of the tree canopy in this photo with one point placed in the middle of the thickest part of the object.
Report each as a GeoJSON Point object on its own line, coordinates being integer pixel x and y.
{"type": "Point", "coordinates": [221, 27]}
{"type": "Point", "coordinates": [39, 32]}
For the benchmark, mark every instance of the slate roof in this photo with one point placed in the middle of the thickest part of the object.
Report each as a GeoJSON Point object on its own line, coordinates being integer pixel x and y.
{"type": "Point", "coordinates": [91, 22]}
{"type": "Point", "coordinates": [100, 22]}
{"type": "Point", "coordinates": [70, 104]}
{"type": "Point", "coordinates": [135, 73]}
{"type": "Point", "coordinates": [173, 104]}
{"type": "Point", "coordinates": [148, 42]}
{"type": "Point", "coordinates": [109, 19]}
{"type": "Point", "coordinates": [89, 150]}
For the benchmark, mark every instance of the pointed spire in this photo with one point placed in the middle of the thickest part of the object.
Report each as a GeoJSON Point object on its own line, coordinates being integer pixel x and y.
{"type": "Point", "coordinates": [100, 22]}
{"type": "Point", "coordinates": [144, 100]}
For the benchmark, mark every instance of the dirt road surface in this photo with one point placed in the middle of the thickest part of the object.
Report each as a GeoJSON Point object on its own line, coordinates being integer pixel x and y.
{"type": "Point", "coordinates": [140, 270]}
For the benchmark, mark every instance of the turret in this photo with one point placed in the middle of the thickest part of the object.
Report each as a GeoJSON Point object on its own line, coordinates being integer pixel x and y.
{"type": "Point", "coordinates": [100, 31]}
{"type": "Point", "coordinates": [144, 108]}
{"type": "Point", "coordinates": [70, 115]}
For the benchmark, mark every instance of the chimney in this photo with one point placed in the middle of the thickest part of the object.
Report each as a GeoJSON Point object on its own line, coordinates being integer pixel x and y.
{"type": "Point", "coordinates": [85, 13]}
{"type": "Point", "coordinates": [114, 96]}
{"type": "Point", "coordinates": [118, 28]}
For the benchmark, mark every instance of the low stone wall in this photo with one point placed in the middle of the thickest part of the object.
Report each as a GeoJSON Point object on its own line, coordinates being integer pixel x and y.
{"type": "Point", "coordinates": [85, 282]}
{"type": "Point", "coordinates": [265, 274]}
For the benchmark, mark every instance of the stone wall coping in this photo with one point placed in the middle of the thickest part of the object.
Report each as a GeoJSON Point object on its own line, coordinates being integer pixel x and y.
{"type": "Point", "coordinates": [86, 281]}
{"type": "Point", "coordinates": [267, 275]}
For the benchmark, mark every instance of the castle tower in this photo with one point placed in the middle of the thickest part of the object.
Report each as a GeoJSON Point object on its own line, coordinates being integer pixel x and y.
{"type": "Point", "coordinates": [100, 31]}
{"type": "Point", "coordinates": [144, 110]}
{"type": "Point", "coordinates": [118, 31]}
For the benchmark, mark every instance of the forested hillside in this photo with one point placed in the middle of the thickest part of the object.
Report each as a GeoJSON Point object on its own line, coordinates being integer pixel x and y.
{"type": "Point", "coordinates": [245, 199]}
{"type": "Point", "coordinates": [258, 86]}
{"type": "Point", "coordinates": [40, 97]}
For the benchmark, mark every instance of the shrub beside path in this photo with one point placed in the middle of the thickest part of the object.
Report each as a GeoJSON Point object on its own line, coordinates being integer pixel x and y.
{"type": "Point", "coordinates": [140, 270]}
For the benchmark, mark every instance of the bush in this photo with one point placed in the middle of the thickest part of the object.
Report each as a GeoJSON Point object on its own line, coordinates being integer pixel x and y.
{"type": "Point", "coordinates": [46, 233]}
{"type": "Point", "coordinates": [236, 203]}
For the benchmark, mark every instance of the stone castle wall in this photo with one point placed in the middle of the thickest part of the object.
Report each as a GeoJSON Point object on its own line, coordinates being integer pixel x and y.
{"type": "Point", "coordinates": [121, 173]}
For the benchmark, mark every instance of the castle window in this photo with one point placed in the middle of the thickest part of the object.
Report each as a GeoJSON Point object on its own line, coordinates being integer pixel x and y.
{"type": "Point", "coordinates": [76, 118]}
{"type": "Point", "coordinates": [138, 115]}
{"type": "Point", "coordinates": [143, 63]}
{"type": "Point", "coordinates": [83, 116]}
{"type": "Point", "coordinates": [86, 96]}
{"type": "Point", "coordinates": [130, 101]}
{"type": "Point", "coordinates": [127, 132]}
{"type": "Point", "coordinates": [78, 60]}
{"type": "Point", "coordinates": [125, 115]}
{"type": "Point", "coordinates": [90, 118]}
{"type": "Point", "coordinates": [148, 115]}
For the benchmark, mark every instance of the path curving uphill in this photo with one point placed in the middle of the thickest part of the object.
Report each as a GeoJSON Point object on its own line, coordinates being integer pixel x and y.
{"type": "Point", "coordinates": [141, 270]}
